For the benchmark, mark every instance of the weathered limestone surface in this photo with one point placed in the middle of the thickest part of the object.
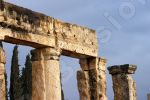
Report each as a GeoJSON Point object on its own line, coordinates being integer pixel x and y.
{"type": "Point", "coordinates": [92, 80]}
{"type": "Point", "coordinates": [46, 72]}
{"type": "Point", "coordinates": [83, 85]}
{"type": "Point", "coordinates": [102, 79]}
{"type": "Point", "coordinates": [2, 72]}
{"type": "Point", "coordinates": [123, 85]}
{"type": "Point", "coordinates": [148, 96]}
{"type": "Point", "coordinates": [26, 27]}
{"type": "Point", "coordinates": [38, 80]}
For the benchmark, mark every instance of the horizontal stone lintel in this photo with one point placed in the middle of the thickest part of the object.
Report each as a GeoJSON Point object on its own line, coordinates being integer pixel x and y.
{"type": "Point", "coordinates": [93, 63]}
{"type": "Point", "coordinates": [22, 26]}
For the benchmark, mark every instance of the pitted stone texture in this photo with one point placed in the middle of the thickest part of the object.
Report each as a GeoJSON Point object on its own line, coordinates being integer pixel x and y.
{"type": "Point", "coordinates": [41, 30]}
{"type": "Point", "coordinates": [2, 69]}
{"type": "Point", "coordinates": [102, 79]}
{"type": "Point", "coordinates": [46, 70]}
{"type": "Point", "coordinates": [123, 85]}
{"type": "Point", "coordinates": [2, 56]}
{"type": "Point", "coordinates": [22, 38]}
{"type": "Point", "coordinates": [53, 83]}
{"type": "Point", "coordinates": [38, 81]}
{"type": "Point", "coordinates": [75, 38]}
{"type": "Point", "coordinates": [119, 69]}
{"type": "Point", "coordinates": [83, 85]}
{"type": "Point", "coordinates": [2, 88]}
{"type": "Point", "coordinates": [2, 77]}
{"type": "Point", "coordinates": [95, 79]}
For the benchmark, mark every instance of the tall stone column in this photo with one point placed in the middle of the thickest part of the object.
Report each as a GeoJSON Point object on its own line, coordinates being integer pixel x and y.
{"type": "Point", "coordinates": [92, 79]}
{"type": "Point", "coordinates": [123, 85]}
{"type": "Point", "coordinates": [2, 76]}
{"type": "Point", "coordinates": [83, 85]}
{"type": "Point", "coordinates": [46, 74]}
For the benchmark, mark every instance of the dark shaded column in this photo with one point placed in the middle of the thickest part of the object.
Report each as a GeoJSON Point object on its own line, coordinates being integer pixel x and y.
{"type": "Point", "coordinates": [92, 79]}
{"type": "Point", "coordinates": [123, 85]}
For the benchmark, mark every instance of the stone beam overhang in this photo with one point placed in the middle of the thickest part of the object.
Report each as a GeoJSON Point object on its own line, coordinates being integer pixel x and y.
{"type": "Point", "coordinates": [119, 69]}
{"type": "Point", "coordinates": [22, 26]}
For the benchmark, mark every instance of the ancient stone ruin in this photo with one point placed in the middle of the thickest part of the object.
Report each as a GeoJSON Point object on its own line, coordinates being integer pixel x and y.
{"type": "Point", "coordinates": [52, 38]}
{"type": "Point", "coordinates": [123, 85]}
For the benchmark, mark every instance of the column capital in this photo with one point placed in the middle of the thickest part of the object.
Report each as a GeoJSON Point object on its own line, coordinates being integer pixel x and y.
{"type": "Point", "coordinates": [46, 54]}
{"type": "Point", "coordinates": [119, 69]}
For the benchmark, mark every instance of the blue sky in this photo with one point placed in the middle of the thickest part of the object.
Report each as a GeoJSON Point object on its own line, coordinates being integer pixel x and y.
{"type": "Point", "coordinates": [123, 30]}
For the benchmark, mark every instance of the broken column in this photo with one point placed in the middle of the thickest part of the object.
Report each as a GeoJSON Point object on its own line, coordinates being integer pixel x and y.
{"type": "Point", "coordinates": [123, 85]}
{"type": "Point", "coordinates": [83, 85]}
{"type": "Point", "coordinates": [2, 74]}
{"type": "Point", "coordinates": [46, 74]}
{"type": "Point", "coordinates": [92, 79]}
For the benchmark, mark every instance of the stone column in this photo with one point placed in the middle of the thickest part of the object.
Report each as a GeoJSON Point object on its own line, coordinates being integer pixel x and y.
{"type": "Point", "coordinates": [83, 85]}
{"type": "Point", "coordinates": [46, 74]}
{"type": "Point", "coordinates": [92, 79]}
{"type": "Point", "coordinates": [2, 76]}
{"type": "Point", "coordinates": [148, 96]}
{"type": "Point", "coordinates": [123, 85]}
